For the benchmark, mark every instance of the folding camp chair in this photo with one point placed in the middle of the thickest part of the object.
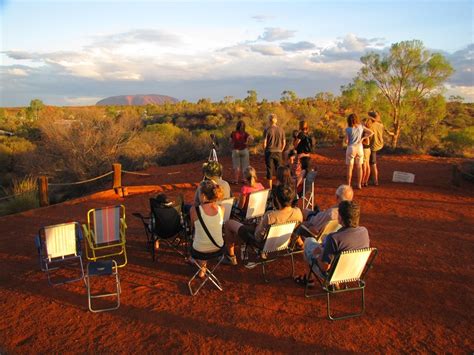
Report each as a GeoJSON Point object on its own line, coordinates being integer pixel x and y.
{"type": "Point", "coordinates": [209, 273]}
{"type": "Point", "coordinates": [60, 243]}
{"type": "Point", "coordinates": [257, 204]}
{"type": "Point", "coordinates": [307, 195]}
{"type": "Point", "coordinates": [102, 268]}
{"type": "Point", "coordinates": [166, 224]}
{"type": "Point", "coordinates": [330, 227]}
{"type": "Point", "coordinates": [227, 205]}
{"type": "Point", "coordinates": [105, 233]}
{"type": "Point", "coordinates": [346, 274]}
{"type": "Point", "coordinates": [276, 240]}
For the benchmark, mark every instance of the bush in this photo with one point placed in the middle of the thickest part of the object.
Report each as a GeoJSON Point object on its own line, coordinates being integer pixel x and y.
{"type": "Point", "coordinates": [460, 142]}
{"type": "Point", "coordinates": [27, 196]}
{"type": "Point", "coordinates": [186, 148]}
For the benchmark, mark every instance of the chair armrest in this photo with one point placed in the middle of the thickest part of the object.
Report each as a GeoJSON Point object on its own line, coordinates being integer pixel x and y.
{"type": "Point", "coordinates": [88, 234]}
{"type": "Point", "coordinates": [38, 242]}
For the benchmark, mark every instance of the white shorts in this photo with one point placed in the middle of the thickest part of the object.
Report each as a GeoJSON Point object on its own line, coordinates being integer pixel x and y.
{"type": "Point", "coordinates": [355, 152]}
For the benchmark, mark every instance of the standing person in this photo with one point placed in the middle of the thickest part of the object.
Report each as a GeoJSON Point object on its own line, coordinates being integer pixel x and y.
{"type": "Point", "coordinates": [304, 143]}
{"type": "Point", "coordinates": [376, 143]}
{"type": "Point", "coordinates": [240, 152]}
{"type": "Point", "coordinates": [273, 144]}
{"type": "Point", "coordinates": [366, 146]}
{"type": "Point", "coordinates": [355, 152]}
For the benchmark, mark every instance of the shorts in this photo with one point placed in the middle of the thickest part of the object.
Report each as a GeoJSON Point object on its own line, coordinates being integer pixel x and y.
{"type": "Point", "coordinates": [366, 155]}
{"type": "Point", "coordinates": [272, 161]}
{"type": "Point", "coordinates": [354, 152]}
{"type": "Point", "coordinates": [240, 159]}
{"type": "Point", "coordinates": [246, 233]}
{"type": "Point", "coordinates": [373, 157]}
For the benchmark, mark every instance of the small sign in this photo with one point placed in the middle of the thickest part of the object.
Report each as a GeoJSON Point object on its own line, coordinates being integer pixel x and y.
{"type": "Point", "coordinates": [399, 176]}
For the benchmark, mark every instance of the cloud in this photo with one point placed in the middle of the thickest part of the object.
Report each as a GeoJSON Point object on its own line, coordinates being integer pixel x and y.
{"type": "Point", "coordinates": [297, 46]}
{"type": "Point", "coordinates": [350, 47]}
{"type": "Point", "coordinates": [267, 49]}
{"type": "Point", "coordinates": [262, 18]}
{"type": "Point", "coordinates": [17, 72]}
{"type": "Point", "coordinates": [463, 62]}
{"type": "Point", "coordinates": [272, 34]}
{"type": "Point", "coordinates": [137, 36]}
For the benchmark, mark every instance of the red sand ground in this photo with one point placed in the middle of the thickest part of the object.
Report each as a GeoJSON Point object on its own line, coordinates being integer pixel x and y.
{"type": "Point", "coordinates": [419, 293]}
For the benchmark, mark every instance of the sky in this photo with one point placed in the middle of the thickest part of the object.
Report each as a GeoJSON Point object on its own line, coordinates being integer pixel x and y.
{"type": "Point", "coordinates": [76, 52]}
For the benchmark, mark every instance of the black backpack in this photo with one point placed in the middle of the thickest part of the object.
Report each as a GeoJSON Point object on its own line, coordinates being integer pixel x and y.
{"type": "Point", "coordinates": [305, 145]}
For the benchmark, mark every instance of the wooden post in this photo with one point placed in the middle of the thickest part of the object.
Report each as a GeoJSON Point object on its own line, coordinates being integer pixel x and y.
{"type": "Point", "coordinates": [43, 191]}
{"type": "Point", "coordinates": [456, 179]}
{"type": "Point", "coordinates": [117, 178]}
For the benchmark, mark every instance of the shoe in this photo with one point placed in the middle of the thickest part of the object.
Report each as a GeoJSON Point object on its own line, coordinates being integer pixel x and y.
{"type": "Point", "coordinates": [263, 256]}
{"type": "Point", "coordinates": [303, 281]}
{"type": "Point", "coordinates": [230, 260]}
{"type": "Point", "coordinates": [359, 187]}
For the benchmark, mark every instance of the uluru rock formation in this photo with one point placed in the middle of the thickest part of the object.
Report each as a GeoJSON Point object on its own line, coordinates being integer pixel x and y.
{"type": "Point", "coordinates": [136, 100]}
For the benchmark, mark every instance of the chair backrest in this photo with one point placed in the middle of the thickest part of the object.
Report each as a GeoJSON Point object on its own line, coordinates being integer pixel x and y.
{"type": "Point", "coordinates": [227, 204]}
{"type": "Point", "coordinates": [106, 224]}
{"type": "Point", "coordinates": [278, 236]}
{"type": "Point", "coordinates": [330, 227]}
{"type": "Point", "coordinates": [166, 220]}
{"type": "Point", "coordinates": [349, 265]}
{"type": "Point", "coordinates": [257, 204]}
{"type": "Point", "coordinates": [61, 240]}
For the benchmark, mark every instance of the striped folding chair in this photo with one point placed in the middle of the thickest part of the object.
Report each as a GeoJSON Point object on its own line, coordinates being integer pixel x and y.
{"type": "Point", "coordinates": [276, 243]}
{"type": "Point", "coordinates": [59, 244]}
{"type": "Point", "coordinates": [105, 233]}
{"type": "Point", "coordinates": [346, 274]}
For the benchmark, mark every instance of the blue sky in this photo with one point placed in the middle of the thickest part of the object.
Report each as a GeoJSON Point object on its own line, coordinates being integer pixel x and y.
{"type": "Point", "coordinates": [77, 52]}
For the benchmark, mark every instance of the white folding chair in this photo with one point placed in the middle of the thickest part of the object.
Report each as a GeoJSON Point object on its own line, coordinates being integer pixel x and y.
{"type": "Point", "coordinates": [346, 274]}
{"type": "Point", "coordinates": [227, 205]}
{"type": "Point", "coordinates": [257, 204]}
{"type": "Point", "coordinates": [60, 243]}
{"type": "Point", "coordinates": [277, 239]}
{"type": "Point", "coordinates": [308, 191]}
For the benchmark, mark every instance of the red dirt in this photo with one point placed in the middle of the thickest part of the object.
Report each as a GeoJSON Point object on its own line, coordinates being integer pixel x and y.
{"type": "Point", "coordinates": [418, 296]}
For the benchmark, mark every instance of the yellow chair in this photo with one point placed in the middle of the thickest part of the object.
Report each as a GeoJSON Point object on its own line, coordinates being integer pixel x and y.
{"type": "Point", "coordinates": [105, 233]}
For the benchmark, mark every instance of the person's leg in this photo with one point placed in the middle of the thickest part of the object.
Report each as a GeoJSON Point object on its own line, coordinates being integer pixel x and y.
{"type": "Point", "coordinates": [310, 244]}
{"type": "Point", "coordinates": [350, 166]}
{"type": "Point", "coordinates": [236, 165]}
{"type": "Point", "coordinates": [359, 175]}
{"type": "Point", "coordinates": [373, 168]}
{"type": "Point", "coordinates": [231, 229]}
{"type": "Point", "coordinates": [244, 159]}
{"type": "Point", "coordinates": [269, 165]}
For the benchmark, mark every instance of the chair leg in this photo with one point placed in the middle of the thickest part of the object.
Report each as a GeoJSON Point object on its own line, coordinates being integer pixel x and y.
{"type": "Point", "coordinates": [209, 275]}
{"type": "Point", "coordinates": [350, 315]}
{"type": "Point", "coordinates": [117, 293]}
{"type": "Point", "coordinates": [48, 269]}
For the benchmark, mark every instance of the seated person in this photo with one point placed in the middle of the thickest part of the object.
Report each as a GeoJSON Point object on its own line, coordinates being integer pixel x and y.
{"type": "Point", "coordinates": [213, 217]}
{"type": "Point", "coordinates": [316, 220]}
{"type": "Point", "coordinates": [283, 177]}
{"type": "Point", "coordinates": [306, 172]}
{"type": "Point", "coordinates": [236, 231]}
{"type": "Point", "coordinates": [250, 185]}
{"type": "Point", "coordinates": [212, 170]}
{"type": "Point", "coordinates": [350, 237]}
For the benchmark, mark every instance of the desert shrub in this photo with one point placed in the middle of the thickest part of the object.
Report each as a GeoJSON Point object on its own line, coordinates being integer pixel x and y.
{"type": "Point", "coordinates": [14, 153]}
{"type": "Point", "coordinates": [85, 146]}
{"type": "Point", "coordinates": [460, 142]}
{"type": "Point", "coordinates": [185, 148]}
{"type": "Point", "coordinates": [26, 198]}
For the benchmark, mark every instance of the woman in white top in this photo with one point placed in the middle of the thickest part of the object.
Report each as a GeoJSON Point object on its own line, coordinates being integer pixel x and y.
{"type": "Point", "coordinates": [213, 217]}
{"type": "Point", "coordinates": [355, 132]}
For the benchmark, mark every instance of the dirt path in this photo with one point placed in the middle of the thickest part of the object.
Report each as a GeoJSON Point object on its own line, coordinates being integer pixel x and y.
{"type": "Point", "coordinates": [418, 296]}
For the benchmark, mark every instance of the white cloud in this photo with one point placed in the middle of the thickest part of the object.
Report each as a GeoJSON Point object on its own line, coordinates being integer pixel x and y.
{"type": "Point", "coordinates": [273, 34]}
{"type": "Point", "coordinates": [297, 46]}
{"type": "Point", "coordinates": [267, 49]}
{"type": "Point", "coordinates": [467, 92]}
{"type": "Point", "coordinates": [350, 47]}
{"type": "Point", "coordinates": [262, 18]}
{"type": "Point", "coordinates": [17, 72]}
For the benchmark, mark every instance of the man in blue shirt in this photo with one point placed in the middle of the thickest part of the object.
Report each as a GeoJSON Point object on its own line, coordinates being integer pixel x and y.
{"type": "Point", "coordinates": [350, 237]}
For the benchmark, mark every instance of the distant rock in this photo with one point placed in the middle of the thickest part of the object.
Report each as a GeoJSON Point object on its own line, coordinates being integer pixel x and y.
{"type": "Point", "coordinates": [136, 100]}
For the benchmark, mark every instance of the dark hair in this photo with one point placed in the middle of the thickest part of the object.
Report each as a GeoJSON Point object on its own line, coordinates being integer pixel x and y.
{"type": "Point", "coordinates": [349, 211]}
{"type": "Point", "coordinates": [305, 163]}
{"type": "Point", "coordinates": [283, 175]}
{"type": "Point", "coordinates": [211, 191]}
{"type": "Point", "coordinates": [162, 199]}
{"type": "Point", "coordinates": [353, 119]}
{"type": "Point", "coordinates": [304, 126]}
{"type": "Point", "coordinates": [292, 153]}
{"type": "Point", "coordinates": [284, 195]}
{"type": "Point", "coordinates": [240, 126]}
{"type": "Point", "coordinates": [295, 133]}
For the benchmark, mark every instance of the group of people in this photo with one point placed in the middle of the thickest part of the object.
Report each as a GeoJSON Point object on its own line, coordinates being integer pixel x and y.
{"type": "Point", "coordinates": [290, 163]}
{"type": "Point", "coordinates": [363, 141]}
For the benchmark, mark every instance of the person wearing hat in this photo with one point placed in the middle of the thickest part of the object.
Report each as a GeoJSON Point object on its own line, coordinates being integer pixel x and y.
{"type": "Point", "coordinates": [212, 170]}
{"type": "Point", "coordinates": [376, 144]}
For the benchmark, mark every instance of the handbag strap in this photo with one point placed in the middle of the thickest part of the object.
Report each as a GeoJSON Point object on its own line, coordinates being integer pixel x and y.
{"type": "Point", "coordinates": [198, 212]}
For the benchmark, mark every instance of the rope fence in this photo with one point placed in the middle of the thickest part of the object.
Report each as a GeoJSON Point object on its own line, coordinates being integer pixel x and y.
{"type": "Point", "coordinates": [135, 173]}
{"type": "Point", "coordinates": [16, 195]}
{"type": "Point", "coordinates": [81, 182]}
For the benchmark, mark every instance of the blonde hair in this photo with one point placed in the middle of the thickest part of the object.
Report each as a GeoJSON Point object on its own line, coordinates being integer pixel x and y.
{"type": "Point", "coordinates": [250, 175]}
{"type": "Point", "coordinates": [272, 118]}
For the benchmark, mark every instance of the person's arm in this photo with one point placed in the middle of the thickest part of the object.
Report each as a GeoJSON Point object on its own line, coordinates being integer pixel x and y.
{"type": "Point", "coordinates": [193, 217]}
{"type": "Point", "coordinates": [346, 137]}
{"type": "Point", "coordinates": [391, 134]}
{"type": "Point", "coordinates": [264, 140]}
{"type": "Point", "coordinates": [242, 200]}
{"type": "Point", "coordinates": [367, 133]}
{"type": "Point", "coordinates": [322, 265]}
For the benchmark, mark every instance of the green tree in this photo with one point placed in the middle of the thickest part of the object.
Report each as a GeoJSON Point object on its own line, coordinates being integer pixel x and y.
{"type": "Point", "coordinates": [405, 76]}
{"type": "Point", "coordinates": [359, 96]}
{"type": "Point", "coordinates": [288, 96]}
{"type": "Point", "coordinates": [251, 98]}
{"type": "Point", "coordinates": [35, 107]}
